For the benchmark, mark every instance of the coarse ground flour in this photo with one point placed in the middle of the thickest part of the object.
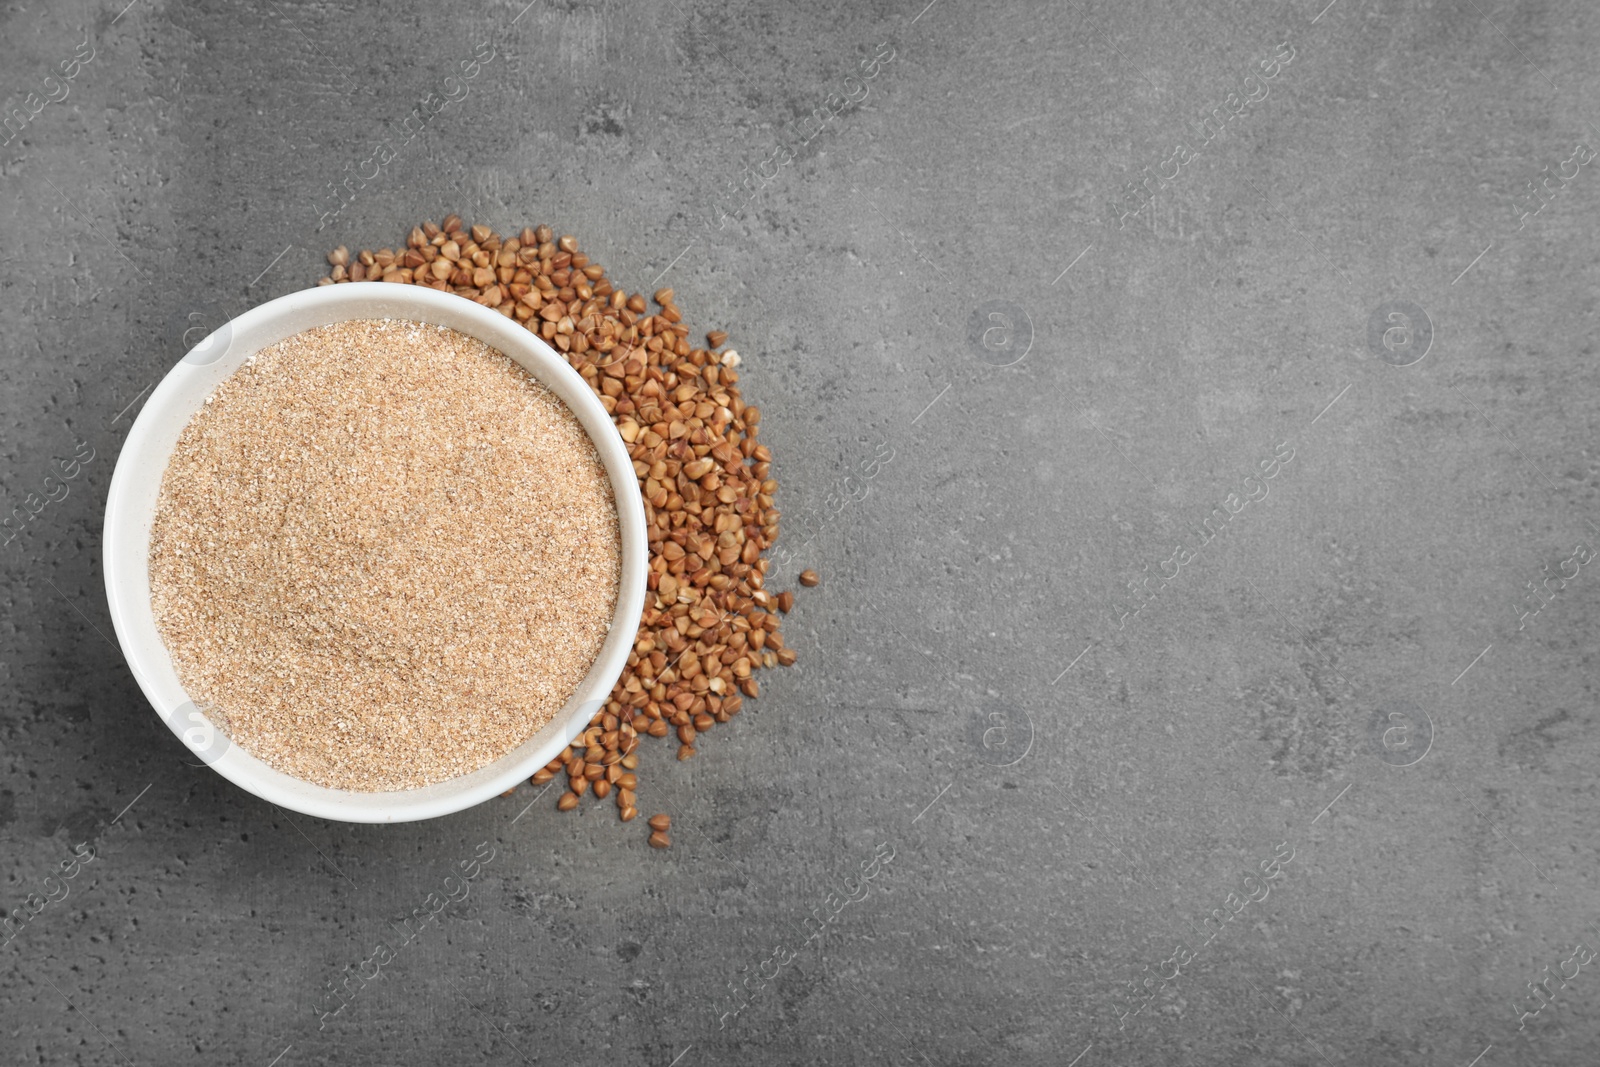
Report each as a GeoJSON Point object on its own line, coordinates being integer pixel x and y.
{"type": "Point", "coordinates": [383, 555]}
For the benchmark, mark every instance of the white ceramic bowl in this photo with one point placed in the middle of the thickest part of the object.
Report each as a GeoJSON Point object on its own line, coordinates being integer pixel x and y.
{"type": "Point", "coordinates": [136, 484]}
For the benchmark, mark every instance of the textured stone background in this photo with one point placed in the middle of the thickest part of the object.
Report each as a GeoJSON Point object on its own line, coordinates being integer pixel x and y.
{"type": "Point", "coordinates": [1067, 800]}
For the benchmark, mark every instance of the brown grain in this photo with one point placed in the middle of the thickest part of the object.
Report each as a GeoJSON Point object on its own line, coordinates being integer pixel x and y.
{"type": "Point", "coordinates": [676, 407]}
{"type": "Point", "coordinates": [809, 578]}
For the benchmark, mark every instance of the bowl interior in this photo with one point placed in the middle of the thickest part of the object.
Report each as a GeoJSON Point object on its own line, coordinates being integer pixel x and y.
{"type": "Point", "coordinates": [136, 485]}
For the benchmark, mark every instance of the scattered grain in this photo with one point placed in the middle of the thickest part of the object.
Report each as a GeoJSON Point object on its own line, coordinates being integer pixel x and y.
{"type": "Point", "coordinates": [675, 406]}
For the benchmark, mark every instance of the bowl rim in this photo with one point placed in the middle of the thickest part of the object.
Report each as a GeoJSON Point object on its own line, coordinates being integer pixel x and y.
{"type": "Point", "coordinates": [215, 359]}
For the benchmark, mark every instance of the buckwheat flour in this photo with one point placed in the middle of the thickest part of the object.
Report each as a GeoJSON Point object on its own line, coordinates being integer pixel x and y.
{"type": "Point", "coordinates": [383, 555]}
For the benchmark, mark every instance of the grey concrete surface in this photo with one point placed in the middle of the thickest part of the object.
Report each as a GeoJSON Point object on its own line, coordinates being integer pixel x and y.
{"type": "Point", "coordinates": [1344, 675]}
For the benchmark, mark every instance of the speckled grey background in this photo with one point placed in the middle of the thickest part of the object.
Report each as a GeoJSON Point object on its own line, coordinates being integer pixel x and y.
{"type": "Point", "coordinates": [1352, 674]}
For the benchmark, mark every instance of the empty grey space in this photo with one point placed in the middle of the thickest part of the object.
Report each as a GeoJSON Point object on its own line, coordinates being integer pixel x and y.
{"type": "Point", "coordinates": [1214, 658]}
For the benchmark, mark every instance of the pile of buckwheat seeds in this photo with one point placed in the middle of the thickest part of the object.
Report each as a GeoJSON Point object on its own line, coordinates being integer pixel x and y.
{"type": "Point", "coordinates": [709, 623]}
